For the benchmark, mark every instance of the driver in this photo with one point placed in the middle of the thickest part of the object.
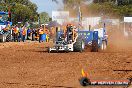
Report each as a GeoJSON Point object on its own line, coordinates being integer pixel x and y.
{"type": "Point", "coordinates": [71, 33]}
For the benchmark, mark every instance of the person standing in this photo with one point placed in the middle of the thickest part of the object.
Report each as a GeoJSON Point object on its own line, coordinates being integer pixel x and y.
{"type": "Point", "coordinates": [40, 33]}
{"type": "Point", "coordinates": [28, 33]}
{"type": "Point", "coordinates": [23, 33]}
{"type": "Point", "coordinates": [19, 34]}
{"type": "Point", "coordinates": [12, 33]}
{"type": "Point", "coordinates": [16, 29]}
{"type": "Point", "coordinates": [33, 34]}
{"type": "Point", "coordinates": [46, 31]}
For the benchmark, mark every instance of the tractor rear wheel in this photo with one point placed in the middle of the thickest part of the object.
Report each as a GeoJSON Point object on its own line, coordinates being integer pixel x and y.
{"type": "Point", "coordinates": [79, 45]}
{"type": "Point", "coordinates": [94, 46]}
{"type": "Point", "coordinates": [3, 38]}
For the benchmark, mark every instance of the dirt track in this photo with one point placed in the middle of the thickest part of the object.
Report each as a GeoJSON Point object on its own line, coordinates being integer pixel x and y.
{"type": "Point", "coordinates": [28, 65]}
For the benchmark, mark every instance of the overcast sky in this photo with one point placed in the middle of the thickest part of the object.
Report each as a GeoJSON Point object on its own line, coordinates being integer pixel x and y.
{"type": "Point", "coordinates": [47, 5]}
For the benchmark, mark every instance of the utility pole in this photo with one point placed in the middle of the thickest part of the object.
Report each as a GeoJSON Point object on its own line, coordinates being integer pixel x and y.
{"type": "Point", "coordinates": [79, 14]}
{"type": "Point", "coordinates": [79, 17]}
{"type": "Point", "coordinates": [38, 19]}
{"type": "Point", "coordinates": [128, 1]}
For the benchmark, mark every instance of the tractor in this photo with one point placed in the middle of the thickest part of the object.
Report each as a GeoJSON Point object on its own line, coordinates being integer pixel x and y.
{"type": "Point", "coordinates": [5, 32]}
{"type": "Point", "coordinates": [74, 39]}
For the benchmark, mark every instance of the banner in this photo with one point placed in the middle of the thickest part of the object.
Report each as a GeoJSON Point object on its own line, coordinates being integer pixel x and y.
{"type": "Point", "coordinates": [127, 19]}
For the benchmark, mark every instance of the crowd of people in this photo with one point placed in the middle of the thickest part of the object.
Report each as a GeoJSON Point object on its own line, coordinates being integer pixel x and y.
{"type": "Point", "coordinates": [19, 33]}
{"type": "Point", "coordinates": [23, 33]}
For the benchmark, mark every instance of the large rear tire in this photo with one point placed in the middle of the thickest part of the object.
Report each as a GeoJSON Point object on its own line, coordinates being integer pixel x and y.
{"type": "Point", "coordinates": [79, 46]}
{"type": "Point", "coordinates": [94, 47]}
{"type": "Point", "coordinates": [3, 38]}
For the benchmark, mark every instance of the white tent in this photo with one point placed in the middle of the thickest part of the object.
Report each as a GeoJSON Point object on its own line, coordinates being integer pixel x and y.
{"type": "Point", "coordinates": [128, 19]}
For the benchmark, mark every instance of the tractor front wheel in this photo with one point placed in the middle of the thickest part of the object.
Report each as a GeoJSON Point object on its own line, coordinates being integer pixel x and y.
{"type": "Point", "coordinates": [79, 45]}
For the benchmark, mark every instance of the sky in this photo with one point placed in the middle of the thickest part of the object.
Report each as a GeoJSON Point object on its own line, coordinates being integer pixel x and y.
{"type": "Point", "coordinates": [47, 5]}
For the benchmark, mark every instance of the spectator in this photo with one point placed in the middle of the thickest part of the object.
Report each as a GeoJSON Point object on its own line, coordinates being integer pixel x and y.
{"type": "Point", "coordinates": [23, 33]}
{"type": "Point", "coordinates": [16, 29]}
{"type": "Point", "coordinates": [40, 33]}
{"type": "Point", "coordinates": [19, 35]}
{"type": "Point", "coordinates": [33, 34]}
{"type": "Point", "coordinates": [28, 33]}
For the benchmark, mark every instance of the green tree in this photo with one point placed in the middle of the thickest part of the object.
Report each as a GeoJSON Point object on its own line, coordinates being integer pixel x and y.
{"type": "Point", "coordinates": [71, 3]}
{"type": "Point", "coordinates": [44, 17]}
{"type": "Point", "coordinates": [21, 13]}
{"type": "Point", "coordinates": [110, 9]}
{"type": "Point", "coordinates": [24, 10]}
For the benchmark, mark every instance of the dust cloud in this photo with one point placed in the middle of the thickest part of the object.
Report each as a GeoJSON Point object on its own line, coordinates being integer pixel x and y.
{"type": "Point", "coordinates": [118, 39]}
